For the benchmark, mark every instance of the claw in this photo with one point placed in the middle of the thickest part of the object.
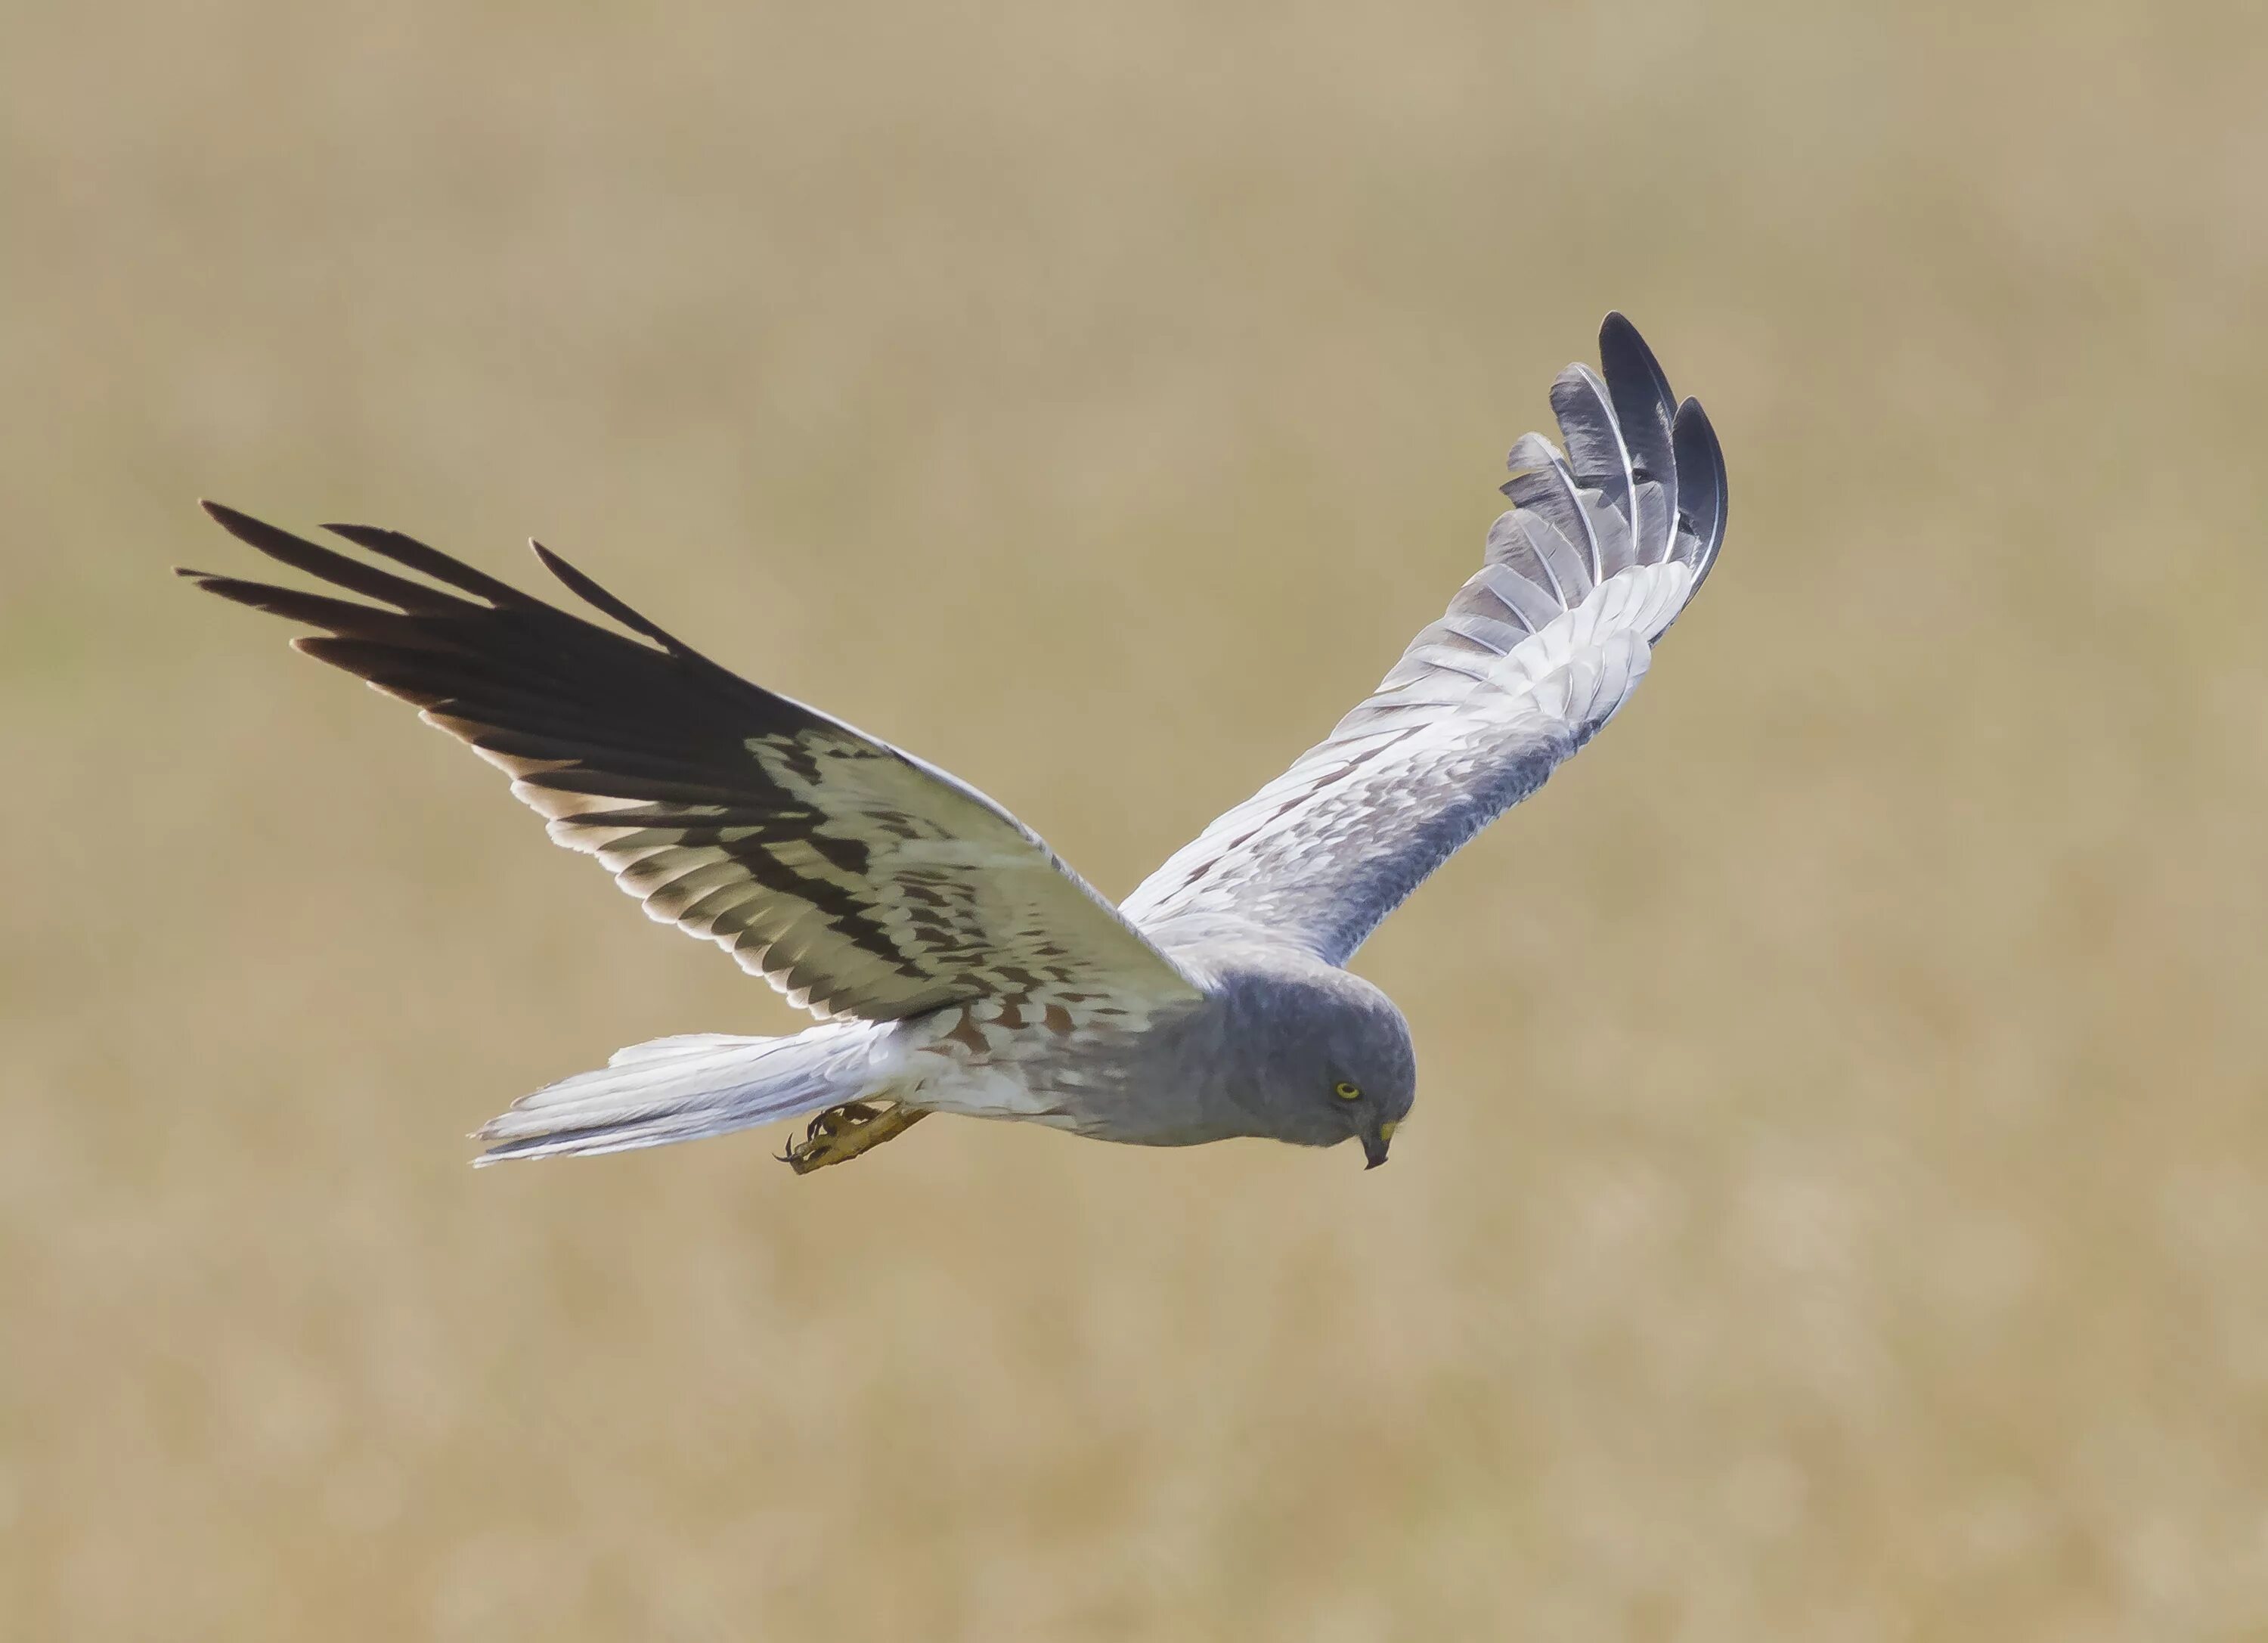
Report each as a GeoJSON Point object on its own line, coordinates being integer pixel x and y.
{"type": "Point", "coordinates": [841, 1133]}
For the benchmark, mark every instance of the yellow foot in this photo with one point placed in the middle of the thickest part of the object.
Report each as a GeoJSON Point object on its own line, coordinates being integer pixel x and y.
{"type": "Point", "coordinates": [841, 1133]}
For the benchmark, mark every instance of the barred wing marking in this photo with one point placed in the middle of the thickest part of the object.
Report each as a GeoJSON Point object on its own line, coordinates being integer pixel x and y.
{"type": "Point", "coordinates": [1604, 545]}
{"type": "Point", "coordinates": [855, 878]}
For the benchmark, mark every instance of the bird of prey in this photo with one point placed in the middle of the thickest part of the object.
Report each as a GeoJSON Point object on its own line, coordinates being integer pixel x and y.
{"type": "Point", "coordinates": [954, 961]}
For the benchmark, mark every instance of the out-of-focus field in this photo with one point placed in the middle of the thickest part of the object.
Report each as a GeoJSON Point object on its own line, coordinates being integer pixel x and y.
{"type": "Point", "coordinates": [1837, 1203]}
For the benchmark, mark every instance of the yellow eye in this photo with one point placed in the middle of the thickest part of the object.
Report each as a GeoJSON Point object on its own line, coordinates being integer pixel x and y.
{"type": "Point", "coordinates": [1346, 1092]}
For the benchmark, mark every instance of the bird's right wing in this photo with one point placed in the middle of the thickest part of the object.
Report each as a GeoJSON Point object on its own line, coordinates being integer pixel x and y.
{"type": "Point", "coordinates": [1605, 544]}
{"type": "Point", "coordinates": [857, 880]}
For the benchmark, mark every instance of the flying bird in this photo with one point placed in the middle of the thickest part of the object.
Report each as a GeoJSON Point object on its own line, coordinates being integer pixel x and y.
{"type": "Point", "coordinates": [955, 963]}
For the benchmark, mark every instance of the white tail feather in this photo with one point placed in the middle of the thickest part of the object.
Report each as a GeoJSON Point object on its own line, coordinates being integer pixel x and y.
{"type": "Point", "coordinates": [693, 1085]}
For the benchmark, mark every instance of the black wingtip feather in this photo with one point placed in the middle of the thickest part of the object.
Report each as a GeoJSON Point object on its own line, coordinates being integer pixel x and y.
{"type": "Point", "coordinates": [402, 598]}
{"type": "Point", "coordinates": [511, 663]}
{"type": "Point", "coordinates": [317, 610]}
{"type": "Point", "coordinates": [432, 562]}
{"type": "Point", "coordinates": [1703, 496]}
{"type": "Point", "coordinates": [1632, 371]}
{"type": "Point", "coordinates": [276, 542]}
{"type": "Point", "coordinates": [1644, 409]}
{"type": "Point", "coordinates": [591, 593]}
{"type": "Point", "coordinates": [253, 533]}
{"type": "Point", "coordinates": [334, 568]}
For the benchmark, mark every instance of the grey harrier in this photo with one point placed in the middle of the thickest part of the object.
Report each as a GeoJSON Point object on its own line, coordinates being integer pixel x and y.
{"type": "Point", "coordinates": [955, 963]}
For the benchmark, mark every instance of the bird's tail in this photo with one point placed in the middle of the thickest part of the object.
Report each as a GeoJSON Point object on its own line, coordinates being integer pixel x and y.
{"type": "Point", "coordinates": [697, 1084]}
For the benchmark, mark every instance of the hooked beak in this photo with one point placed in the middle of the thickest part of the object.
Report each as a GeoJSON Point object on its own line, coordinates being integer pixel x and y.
{"type": "Point", "coordinates": [1375, 1144]}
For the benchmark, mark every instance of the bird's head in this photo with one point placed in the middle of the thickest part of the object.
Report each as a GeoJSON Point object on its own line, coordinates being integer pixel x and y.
{"type": "Point", "coordinates": [1373, 1073]}
{"type": "Point", "coordinates": [1329, 1060]}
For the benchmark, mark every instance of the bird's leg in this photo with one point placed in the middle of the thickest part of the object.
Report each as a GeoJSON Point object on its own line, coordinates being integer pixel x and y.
{"type": "Point", "coordinates": [841, 1133]}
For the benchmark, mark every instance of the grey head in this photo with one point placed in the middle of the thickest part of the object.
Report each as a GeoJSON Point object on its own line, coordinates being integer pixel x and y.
{"type": "Point", "coordinates": [1310, 1054]}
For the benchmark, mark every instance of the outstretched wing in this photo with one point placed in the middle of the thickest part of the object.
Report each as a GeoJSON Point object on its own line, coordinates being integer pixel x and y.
{"type": "Point", "coordinates": [855, 879]}
{"type": "Point", "coordinates": [1605, 544]}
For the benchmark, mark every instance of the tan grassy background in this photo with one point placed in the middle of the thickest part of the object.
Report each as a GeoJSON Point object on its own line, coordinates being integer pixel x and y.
{"type": "Point", "coordinates": [1838, 1203]}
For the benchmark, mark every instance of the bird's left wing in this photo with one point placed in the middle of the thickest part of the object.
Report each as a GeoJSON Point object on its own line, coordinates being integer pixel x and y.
{"type": "Point", "coordinates": [1604, 545]}
{"type": "Point", "coordinates": [855, 879]}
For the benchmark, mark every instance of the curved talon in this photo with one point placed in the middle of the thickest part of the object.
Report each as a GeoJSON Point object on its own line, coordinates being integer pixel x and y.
{"type": "Point", "coordinates": [841, 1133]}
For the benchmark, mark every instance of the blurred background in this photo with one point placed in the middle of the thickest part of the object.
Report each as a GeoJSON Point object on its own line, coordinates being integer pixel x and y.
{"type": "Point", "coordinates": [1837, 1203]}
